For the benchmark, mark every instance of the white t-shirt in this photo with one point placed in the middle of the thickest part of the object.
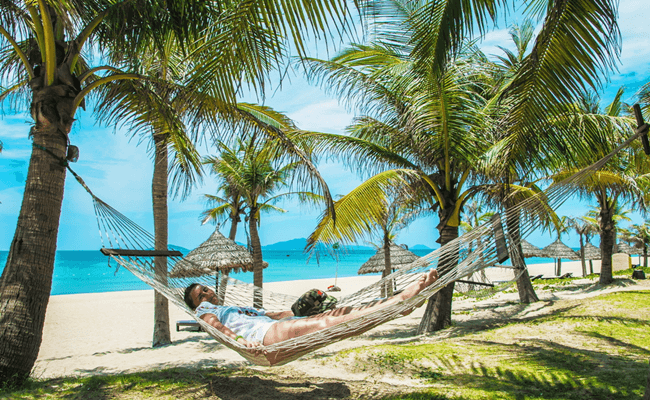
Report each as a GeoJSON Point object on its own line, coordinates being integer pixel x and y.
{"type": "Point", "coordinates": [250, 323]}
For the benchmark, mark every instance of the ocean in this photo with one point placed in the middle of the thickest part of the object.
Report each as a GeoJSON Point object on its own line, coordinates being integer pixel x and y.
{"type": "Point", "coordinates": [88, 271]}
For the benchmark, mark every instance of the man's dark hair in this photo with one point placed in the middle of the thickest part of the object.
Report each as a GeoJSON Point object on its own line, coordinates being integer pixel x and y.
{"type": "Point", "coordinates": [187, 298]}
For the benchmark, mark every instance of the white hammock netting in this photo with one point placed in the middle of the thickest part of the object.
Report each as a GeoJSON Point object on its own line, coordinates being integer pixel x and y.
{"type": "Point", "coordinates": [467, 256]}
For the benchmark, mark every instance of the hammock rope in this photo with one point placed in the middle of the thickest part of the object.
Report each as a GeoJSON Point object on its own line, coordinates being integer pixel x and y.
{"type": "Point", "coordinates": [468, 255]}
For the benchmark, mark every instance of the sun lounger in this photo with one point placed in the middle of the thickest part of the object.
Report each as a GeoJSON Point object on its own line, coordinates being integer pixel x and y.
{"type": "Point", "coordinates": [536, 277]}
{"type": "Point", "coordinates": [565, 276]}
{"type": "Point", "coordinates": [190, 323]}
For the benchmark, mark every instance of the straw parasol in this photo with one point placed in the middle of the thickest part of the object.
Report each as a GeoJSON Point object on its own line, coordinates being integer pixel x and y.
{"type": "Point", "coordinates": [592, 252]}
{"type": "Point", "coordinates": [559, 250]}
{"type": "Point", "coordinates": [627, 249]}
{"type": "Point", "coordinates": [529, 250]}
{"type": "Point", "coordinates": [218, 253]}
{"type": "Point", "coordinates": [399, 256]}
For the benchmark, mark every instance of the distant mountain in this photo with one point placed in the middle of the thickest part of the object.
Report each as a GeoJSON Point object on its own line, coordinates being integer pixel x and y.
{"type": "Point", "coordinates": [299, 244]}
{"type": "Point", "coordinates": [420, 247]}
{"type": "Point", "coordinates": [293, 244]}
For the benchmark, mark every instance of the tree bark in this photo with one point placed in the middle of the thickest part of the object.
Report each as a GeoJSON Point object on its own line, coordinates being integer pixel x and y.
{"type": "Point", "coordinates": [437, 315]}
{"type": "Point", "coordinates": [582, 257]}
{"type": "Point", "coordinates": [223, 285]}
{"type": "Point", "coordinates": [606, 242]}
{"type": "Point", "coordinates": [525, 287]}
{"type": "Point", "coordinates": [27, 277]}
{"type": "Point", "coordinates": [161, 332]}
{"type": "Point", "coordinates": [387, 289]}
{"type": "Point", "coordinates": [258, 274]}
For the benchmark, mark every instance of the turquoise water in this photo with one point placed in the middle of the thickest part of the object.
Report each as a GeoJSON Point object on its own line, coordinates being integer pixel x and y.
{"type": "Point", "coordinates": [90, 271]}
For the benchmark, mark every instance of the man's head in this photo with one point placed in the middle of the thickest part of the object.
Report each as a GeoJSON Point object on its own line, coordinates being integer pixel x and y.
{"type": "Point", "coordinates": [195, 294]}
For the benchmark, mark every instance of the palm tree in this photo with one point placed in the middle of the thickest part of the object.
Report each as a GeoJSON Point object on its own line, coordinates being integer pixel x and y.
{"type": "Point", "coordinates": [395, 216]}
{"type": "Point", "coordinates": [44, 64]}
{"type": "Point", "coordinates": [421, 125]}
{"type": "Point", "coordinates": [621, 180]}
{"type": "Point", "coordinates": [45, 39]}
{"type": "Point", "coordinates": [640, 236]}
{"type": "Point", "coordinates": [231, 206]}
{"type": "Point", "coordinates": [154, 109]}
{"type": "Point", "coordinates": [257, 172]}
{"type": "Point", "coordinates": [585, 230]}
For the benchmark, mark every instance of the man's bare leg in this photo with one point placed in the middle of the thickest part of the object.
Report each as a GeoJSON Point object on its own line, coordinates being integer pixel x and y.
{"type": "Point", "coordinates": [284, 330]}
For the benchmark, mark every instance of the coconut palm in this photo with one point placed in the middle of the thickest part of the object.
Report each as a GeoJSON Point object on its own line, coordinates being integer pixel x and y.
{"type": "Point", "coordinates": [640, 236]}
{"type": "Point", "coordinates": [420, 135]}
{"type": "Point", "coordinates": [619, 181]}
{"type": "Point", "coordinates": [256, 171]}
{"type": "Point", "coordinates": [154, 109]}
{"type": "Point", "coordinates": [44, 64]}
{"type": "Point", "coordinates": [585, 230]}
{"type": "Point", "coordinates": [45, 40]}
{"type": "Point", "coordinates": [396, 215]}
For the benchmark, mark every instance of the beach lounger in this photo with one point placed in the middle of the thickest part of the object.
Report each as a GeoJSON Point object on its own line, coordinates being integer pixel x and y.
{"type": "Point", "coordinates": [565, 276]}
{"type": "Point", "coordinates": [536, 277]}
{"type": "Point", "coordinates": [190, 323]}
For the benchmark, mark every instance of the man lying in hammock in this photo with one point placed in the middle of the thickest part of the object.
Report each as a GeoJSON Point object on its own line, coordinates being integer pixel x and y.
{"type": "Point", "coordinates": [255, 327]}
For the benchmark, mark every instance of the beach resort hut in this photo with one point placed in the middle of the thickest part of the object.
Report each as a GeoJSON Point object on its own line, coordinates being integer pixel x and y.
{"type": "Point", "coordinates": [558, 251]}
{"type": "Point", "coordinates": [215, 255]}
{"type": "Point", "coordinates": [399, 257]}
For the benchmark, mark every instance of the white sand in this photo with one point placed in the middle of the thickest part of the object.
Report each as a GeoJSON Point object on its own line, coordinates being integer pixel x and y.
{"type": "Point", "coordinates": [111, 332]}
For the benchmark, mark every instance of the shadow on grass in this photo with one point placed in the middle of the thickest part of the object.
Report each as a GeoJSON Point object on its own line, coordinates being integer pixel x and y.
{"type": "Point", "coordinates": [540, 370]}
{"type": "Point", "coordinates": [180, 383]}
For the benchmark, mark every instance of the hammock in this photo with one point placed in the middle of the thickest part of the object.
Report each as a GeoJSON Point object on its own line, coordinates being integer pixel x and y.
{"type": "Point", "coordinates": [469, 254]}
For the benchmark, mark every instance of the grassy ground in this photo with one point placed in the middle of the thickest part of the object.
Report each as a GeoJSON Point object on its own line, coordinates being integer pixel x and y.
{"type": "Point", "coordinates": [593, 348]}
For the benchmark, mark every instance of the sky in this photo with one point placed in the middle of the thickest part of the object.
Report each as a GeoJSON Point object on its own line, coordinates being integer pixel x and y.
{"type": "Point", "coordinates": [109, 157]}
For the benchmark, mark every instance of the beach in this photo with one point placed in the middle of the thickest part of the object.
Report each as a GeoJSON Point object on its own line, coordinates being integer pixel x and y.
{"type": "Point", "coordinates": [110, 333]}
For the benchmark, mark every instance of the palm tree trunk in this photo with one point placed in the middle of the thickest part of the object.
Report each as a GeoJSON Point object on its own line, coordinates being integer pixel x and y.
{"type": "Point", "coordinates": [606, 243]}
{"type": "Point", "coordinates": [223, 285]}
{"type": "Point", "coordinates": [387, 289]}
{"type": "Point", "coordinates": [437, 315]}
{"type": "Point", "coordinates": [525, 287]}
{"type": "Point", "coordinates": [582, 257]}
{"type": "Point", "coordinates": [161, 333]}
{"type": "Point", "coordinates": [258, 277]}
{"type": "Point", "coordinates": [27, 277]}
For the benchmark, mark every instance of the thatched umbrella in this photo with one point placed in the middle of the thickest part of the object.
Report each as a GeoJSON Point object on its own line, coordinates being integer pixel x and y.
{"type": "Point", "coordinates": [529, 250]}
{"type": "Point", "coordinates": [399, 256]}
{"type": "Point", "coordinates": [558, 251]}
{"type": "Point", "coordinates": [217, 254]}
{"type": "Point", "coordinates": [627, 249]}
{"type": "Point", "coordinates": [592, 252]}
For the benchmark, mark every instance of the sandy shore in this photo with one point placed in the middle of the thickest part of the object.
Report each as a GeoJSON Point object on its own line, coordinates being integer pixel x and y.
{"type": "Point", "coordinates": [111, 332]}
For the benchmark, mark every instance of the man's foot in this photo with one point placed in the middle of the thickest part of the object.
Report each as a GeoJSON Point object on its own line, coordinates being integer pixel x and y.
{"type": "Point", "coordinates": [419, 285]}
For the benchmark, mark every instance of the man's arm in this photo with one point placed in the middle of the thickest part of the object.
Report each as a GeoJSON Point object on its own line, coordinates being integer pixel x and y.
{"type": "Point", "coordinates": [214, 321]}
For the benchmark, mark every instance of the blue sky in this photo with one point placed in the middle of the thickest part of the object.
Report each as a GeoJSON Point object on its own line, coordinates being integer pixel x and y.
{"type": "Point", "coordinates": [119, 170]}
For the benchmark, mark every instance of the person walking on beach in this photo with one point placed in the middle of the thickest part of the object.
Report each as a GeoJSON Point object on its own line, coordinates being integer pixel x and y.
{"type": "Point", "coordinates": [255, 327]}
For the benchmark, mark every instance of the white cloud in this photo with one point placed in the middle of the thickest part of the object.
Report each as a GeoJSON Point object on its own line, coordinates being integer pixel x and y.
{"type": "Point", "coordinates": [9, 153]}
{"type": "Point", "coordinates": [491, 41]}
{"type": "Point", "coordinates": [327, 116]}
{"type": "Point", "coordinates": [14, 127]}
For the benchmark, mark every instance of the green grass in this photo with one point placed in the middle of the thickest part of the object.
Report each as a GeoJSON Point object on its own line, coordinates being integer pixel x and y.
{"type": "Point", "coordinates": [596, 348]}
{"type": "Point", "coordinates": [600, 351]}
